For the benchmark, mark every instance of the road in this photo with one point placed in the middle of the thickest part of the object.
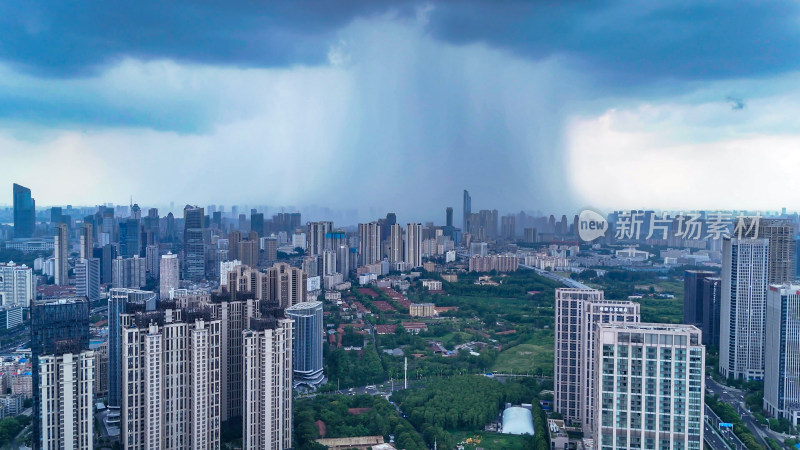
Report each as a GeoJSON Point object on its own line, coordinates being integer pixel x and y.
{"type": "Point", "coordinates": [735, 398]}
{"type": "Point", "coordinates": [569, 282]}
{"type": "Point", "coordinates": [714, 438]}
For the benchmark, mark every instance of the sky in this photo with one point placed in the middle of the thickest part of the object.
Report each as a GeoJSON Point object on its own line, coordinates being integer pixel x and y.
{"type": "Point", "coordinates": [548, 106]}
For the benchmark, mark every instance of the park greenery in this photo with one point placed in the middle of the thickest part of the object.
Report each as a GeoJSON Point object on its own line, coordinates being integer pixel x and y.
{"type": "Point", "coordinates": [375, 417]}
{"type": "Point", "coordinates": [440, 407]}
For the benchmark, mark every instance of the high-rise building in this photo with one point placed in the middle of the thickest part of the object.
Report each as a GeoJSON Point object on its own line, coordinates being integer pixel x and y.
{"type": "Point", "coordinates": [286, 285]}
{"type": "Point", "coordinates": [508, 227]}
{"type": "Point", "coordinates": [649, 388]}
{"type": "Point", "coordinates": [693, 312]}
{"type": "Point", "coordinates": [129, 272]}
{"type": "Point", "coordinates": [248, 252]}
{"type": "Point", "coordinates": [270, 247]}
{"type": "Point", "coordinates": [234, 238]}
{"type": "Point", "coordinates": [87, 278]}
{"type": "Point", "coordinates": [307, 347]}
{"type": "Point", "coordinates": [130, 238]}
{"type": "Point", "coordinates": [712, 295]}
{"type": "Point", "coordinates": [152, 261]}
{"type": "Point", "coordinates": [467, 209]}
{"type": "Point", "coordinates": [24, 212]}
{"type": "Point", "coordinates": [66, 389]}
{"type": "Point", "coordinates": [782, 353]}
{"type": "Point", "coordinates": [122, 301]}
{"type": "Point", "coordinates": [87, 241]}
{"type": "Point", "coordinates": [578, 312]}
{"type": "Point", "coordinates": [780, 234]}
{"type": "Point", "coordinates": [61, 242]}
{"type": "Point", "coordinates": [169, 274]}
{"type": "Point", "coordinates": [106, 254]}
{"type": "Point", "coordinates": [343, 261]}
{"type": "Point", "coordinates": [234, 317]}
{"type": "Point", "coordinates": [316, 237]}
{"type": "Point", "coordinates": [396, 244]}
{"type": "Point", "coordinates": [58, 327]}
{"type": "Point", "coordinates": [369, 247]}
{"type": "Point", "coordinates": [449, 216]}
{"type": "Point", "coordinates": [171, 382]}
{"type": "Point", "coordinates": [267, 412]}
{"type": "Point", "coordinates": [743, 307]}
{"type": "Point", "coordinates": [328, 262]}
{"type": "Point", "coordinates": [257, 223]}
{"type": "Point", "coordinates": [193, 243]}
{"type": "Point", "coordinates": [413, 248]}
{"type": "Point", "coordinates": [17, 285]}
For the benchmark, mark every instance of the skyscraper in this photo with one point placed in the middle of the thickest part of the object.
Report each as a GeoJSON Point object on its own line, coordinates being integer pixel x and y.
{"type": "Point", "coordinates": [369, 247]}
{"type": "Point", "coordinates": [396, 244]}
{"type": "Point", "coordinates": [780, 234]}
{"type": "Point", "coordinates": [257, 223]}
{"type": "Point", "coordinates": [193, 244]}
{"type": "Point", "coordinates": [712, 295]}
{"type": "Point", "coordinates": [121, 301]}
{"type": "Point", "coordinates": [343, 261]}
{"type": "Point", "coordinates": [169, 274]}
{"type": "Point", "coordinates": [130, 238]}
{"type": "Point", "coordinates": [693, 312]}
{"type": "Point", "coordinates": [316, 236]}
{"type": "Point", "coordinates": [449, 216]}
{"type": "Point", "coordinates": [87, 278]}
{"type": "Point", "coordinates": [267, 419]}
{"type": "Point", "coordinates": [128, 272]}
{"type": "Point", "coordinates": [467, 211]}
{"type": "Point", "coordinates": [67, 379]}
{"type": "Point", "coordinates": [286, 285]}
{"type": "Point", "coordinates": [782, 352]}
{"type": "Point", "coordinates": [87, 241]}
{"type": "Point", "coordinates": [24, 212]}
{"type": "Point", "coordinates": [413, 248]}
{"type": "Point", "coordinates": [171, 382]}
{"type": "Point", "coordinates": [743, 307]}
{"type": "Point", "coordinates": [578, 311]}
{"type": "Point", "coordinates": [61, 242]}
{"type": "Point", "coordinates": [307, 347]}
{"type": "Point", "coordinates": [58, 327]}
{"type": "Point", "coordinates": [649, 388]}
{"type": "Point", "coordinates": [234, 317]}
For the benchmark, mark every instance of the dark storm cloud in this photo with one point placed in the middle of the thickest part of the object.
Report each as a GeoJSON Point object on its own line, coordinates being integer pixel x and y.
{"type": "Point", "coordinates": [624, 42]}
{"type": "Point", "coordinates": [66, 38]}
{"type": "Point", "coordinates": [619, 42]}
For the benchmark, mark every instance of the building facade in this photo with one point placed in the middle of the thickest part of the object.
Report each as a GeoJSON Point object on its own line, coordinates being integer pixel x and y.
{"type": "Point", "coordinates": [309, 332]}
{"type": "Point", "coordinates": [171, 380]}
{"type": "Point", "coordinates": [649, 388]}
{"type": "Point", "coordinates": [782, 353]}
{"type": "Point", "coordinates": [267, 420]}
{"type": "Point", "coordinates": [578, 313]}
{"type": "Point", "coordinates": [17, 285]}
{"type": "Point", "coordinates": [169, 274]}
{"type": "Point", "coordinates": [743, 308]}
{"type": "Point", "coordinates": [66, 392]}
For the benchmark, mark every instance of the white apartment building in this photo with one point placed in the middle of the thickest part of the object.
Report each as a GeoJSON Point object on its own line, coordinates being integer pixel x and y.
{"type": "Point", "coordinates": [578, 313]}
{"type": "Point", "coordinates": [267, 419]}
{"type": "Point", "coordinates": [649, 388]}
{"type": "Point", "coordinates": [743, 308]}
{"type": "Point", "coordinates": [782, 353]}
{"type": "Point", "coordinates": [66, 384]}
{"type": "Point", "coordinates": [170, 380]}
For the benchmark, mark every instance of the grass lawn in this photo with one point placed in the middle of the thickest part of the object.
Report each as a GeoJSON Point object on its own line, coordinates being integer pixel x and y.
{"type": "Point", "coordinates": [491, 441]}
{"type": "Point", "coordinates": [532, 356]}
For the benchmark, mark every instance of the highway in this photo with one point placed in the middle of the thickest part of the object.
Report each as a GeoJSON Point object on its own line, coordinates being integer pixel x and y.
{"type": "Point", "coordinates": [568, 282]}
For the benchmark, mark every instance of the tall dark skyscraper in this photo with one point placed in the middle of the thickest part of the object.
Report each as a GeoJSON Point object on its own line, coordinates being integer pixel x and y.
{"type": "Point", "coordinates": [24, 212]}
{"type": "Point", "coordinates": [257, 223]}
{"type": "Point", "coordinates": [193, 246]}
{"type": "Point", "coordinates": [449, 216]}
{"type": "Point", "coordinates": [693, 312]}
{"type": "Point", "coordinates": [467, 211]}
{"type": "Point", "coordinates": [57, 326]}
{"type": "Point", "coordinates": [712, 292]}
{"type": "Point", "coordinates": [130, 238]}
